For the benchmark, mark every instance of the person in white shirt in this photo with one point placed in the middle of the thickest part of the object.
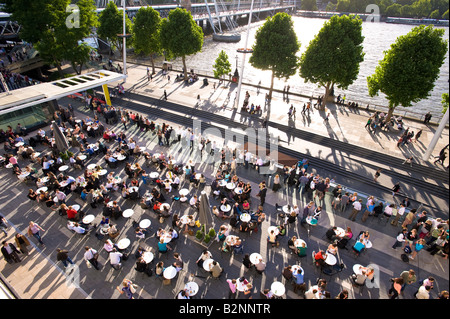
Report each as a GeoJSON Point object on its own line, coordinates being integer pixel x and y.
{"type": "Point", "coordinates": [61, 196]}
{"type": "Point", "coordinates": [356, 209]}
{"type": "Point", "coordinates": [115, 258]}
{"type": "Point", "coordinates": [423, 292]}
{"type": "Point", "coordinates": [76, 228]}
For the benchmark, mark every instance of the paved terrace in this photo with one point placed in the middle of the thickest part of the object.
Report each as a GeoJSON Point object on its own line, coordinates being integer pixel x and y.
{"type": "Point", "coordinates": [27, 278]}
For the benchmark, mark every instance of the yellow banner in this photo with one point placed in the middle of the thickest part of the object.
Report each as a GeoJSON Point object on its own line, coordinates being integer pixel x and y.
{"type": "Point", "coordinates": [106, 93]}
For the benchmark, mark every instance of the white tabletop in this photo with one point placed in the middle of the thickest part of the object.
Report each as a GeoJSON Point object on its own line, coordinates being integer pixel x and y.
{"type": "Point", "coordinates": [238, 190]}
{"type": "Point", "coordinates": [357, 269]}
{"type": "Point", "coordinates": [166, 237]}
{"type": "Point", "coordinates": [19, 144]}
{"type": "Point", "coordinates": [76, 207]}
{"type": "Point", "coordinates": [154, 175]}
{"type": "Point", "coordinates": [245, 217]}
{"type": "Point", "coordinates": [165, 205]}
{"type": "Point", "coordinates": [222, 183]}
{"type": "Point", "coordinates": [44, 189]}
{"type": "Point", "coordinates": [102, 172]}
{"type": "Point", "coordinates": [191, 288]}
{"type": "Point", "coordinates": [274, 228]}
{"type": "Point", "coordinates": [91, 166]}
{"type": "Point", "coordinates": [340, 232]}
{"type": "Point", "coordinates": [88, 219]}
{"type": "Point", "coordinates": [368, 243]}
{"type": "Point", "coordinates": [298, 243]}
{"type": "Point", "coordinates": [123, 243]}
{"type": "Point", "coordinates": [82, 157]}
{"type": "Point", "coordinates": [184, 191]}
{"type": "Point", "coordinates": [287, 209]}
{"type": "Point", "coordinates": [133, 189]}
{"type": "Point", "coordinates": [254, 258]}
{"type": "Point", "coordinates": [231, 240]}
{"type": "Point", "coordinates": [331, 259]}
{"type": "Point", "coordinates": [147, 256]}
{"type": "Point", "coordinates": [121, 157]}
{"type": "Point", "coordinates": [311, 221]}
{"type": "Point", "coordinates": [145, 223]}
{"type": "Point", "coordinates": [231, 186]}
{"type": "Point", "coordinates": [170, 272]}
{"type": "Point", "coordinates": [128, 213]}
{"type": "Point", "coordinates": [278, 288]}
{"type": "Point", "coordinates": [207, 264]}
{"type": "Point", "coordinates": [63, 168]}
{"type": "Point", "coordinates": [185, 219]}
{"type": "Point", "coordinates": [225, 208]}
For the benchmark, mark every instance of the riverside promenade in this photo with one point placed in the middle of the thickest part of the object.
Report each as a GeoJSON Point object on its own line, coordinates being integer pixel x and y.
{"type": "Point", "coordinates": [40, 277]}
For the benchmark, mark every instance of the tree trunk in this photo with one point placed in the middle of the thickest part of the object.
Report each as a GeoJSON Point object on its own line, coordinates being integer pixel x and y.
{"type": "Point", "coordinates": [390, 113]}
{"type": "Point", "coordinates": [58, 66]}
{"type": "Point", "coordinates": [326, 96]}
{"type": "Point", "coordinates": [271, 86]}
{"type": "Point", "coordinates": [153, 64]}
{"type": "Point", "coordinates": [184, 66]}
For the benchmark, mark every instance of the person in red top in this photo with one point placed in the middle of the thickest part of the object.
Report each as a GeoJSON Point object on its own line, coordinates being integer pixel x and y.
{"type": "Point", "coordinates": [320, 258]}
{"type": "Point", "coordinates": [71, 213]}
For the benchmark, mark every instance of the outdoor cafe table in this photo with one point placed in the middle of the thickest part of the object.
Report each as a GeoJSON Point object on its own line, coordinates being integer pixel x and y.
{"type": "Point", "coordinates": [274, 228]}
{"type": "Point", "coordinates": [91, 166]}
{"type": "Point", "coordinates": [238, 190]}
{"type": "Point", "coordinates": [225, 208]}
{"type": "Point", "coordinates": [44, 189]}
{"type": "Point", "coordinates": [357, 269]}
{"type": "Point", "coordinates": [63, 168]}
{"type": "Point", "coordinates": [298, 242]}
{"type": "Point", "coordinates": [133, 189]}
{"type": "Point", "coordinates": [340, 232]}
{"type": "Point", "coordinates": [288, 209]}
{"type": "Point", "coordinates": [102, 172]}
{"type": "Point", "coordinates": [154, 175]}
{"type": "Point", "coordinates": [170, 272]}
{"type": "Point", "coordinates": [245, 217]}
{"type": "Point", "coordinates": [254, 258]}
{"type": "Point", "coordinates": [222, 183]}
{"type": "Point", "coordinates": [207, 264]}
{"type": "Point", "coordinates": [183, 191]}
{"type": "Point", "coordinates": [81, 157]}
{"type": "Point", "coordinates": [88, 219]}
{"type": "Point", "coordinates": [231, 240]}
{"type": "Point", "coordinates": [330, 260]}
{"type": "Point", "coordinates": [278, 288]}
{"type": "Point", "coordinates": [145, 223]}
{"type": "Point", "coordinates": [185, 219]}
{"type": "Point", "coordinates": [123, 243]}
{"type": "Point", "coordinates": [128, 213]}
{"type": "Point", "coordinates": [76, 207]}
{"type": "Point", "coordinates": [191, 288]}
{"type": "Point", "coordinates": [165, 206]}
{"type": "Point", "coordinates": [147, 256]}
{"type": "Point", "coordinates": [231, 186]}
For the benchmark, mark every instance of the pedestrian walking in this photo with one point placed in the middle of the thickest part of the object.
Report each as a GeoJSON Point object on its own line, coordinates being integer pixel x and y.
{"type": "Point", "coordinates": [34, 230]}
{"type": "Point", "coordinates": [441, 158]}
{"type": "Point", "coordinates": [427, 118]}
{"type": "Point", "coordinates": [62, 256]}
{"type": "Point", "coordinates": [409, 160]}
{"type": "Point", "coordinates": [377, 174]}
{"type": "Point", "coordinates": [3, 225]}
{"type": "Point", "coordinates": [91, 257]}
{"type": "Point", "coordinates": [23, 243]}
{"type": "Point", "coordinates": [128, 288]}
{"type": "Point", "coordinates": [396, 188]}
{"type": "Point", "coordinates": [357, 206]}
{"type": "Point", "coordinates": [10, 253]}
{"type": "Point", "coordinates": [418, 135]}
{"type": "Point", "coordinates": [165, 95]}
{"type": "Point", "coordinates": [409, 277]}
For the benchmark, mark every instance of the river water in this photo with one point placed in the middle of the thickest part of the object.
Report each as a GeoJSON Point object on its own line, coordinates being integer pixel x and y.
{"type": "Point", "coordinates": [377, 38]}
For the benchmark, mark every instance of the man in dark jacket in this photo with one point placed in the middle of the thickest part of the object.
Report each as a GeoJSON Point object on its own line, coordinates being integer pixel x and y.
{"type": "Point", "coordinates": [10, 252]}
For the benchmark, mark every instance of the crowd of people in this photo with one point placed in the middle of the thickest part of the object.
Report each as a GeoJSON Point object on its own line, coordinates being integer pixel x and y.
{"type": "Point", "coordinates": [111, 147]}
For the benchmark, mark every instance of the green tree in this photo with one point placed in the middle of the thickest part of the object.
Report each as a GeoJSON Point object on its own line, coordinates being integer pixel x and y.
{"type": "Point", "coordinates": [343, 6]}
{"type": "Point", "coordinates": [111, 26]}
{"type": "Point", "coordinates": [334, 55]}
{"type": "Point", "coordinates": [423, 8]}
{"type": "Point", "coordinates": [330, 6]}
{"type": "Point", "coordinates": [383, 5]}
{"type": "Point", "coordinates": [410, 67]}
{"type": "Point", "coordinates": [435, 14]}
{"type": "Point", "coordinates": [408, 11]}
{"type": "Point", "coordinates": [146, 31]}
{"type": "Point", "coordinates": [180, 35]}
{"type": "Point", "coordinates": [445, 15]}
{"type": "Point", "coordinates": [275, 48]}
{"type": "Point", "coordinates": [393, 10]}
{"type": "Point", "coordinates": [444, 102]}
{"type": "Point", "coordinates": [222, 65]}
{"type": "Point", "coordinates": [309, 5]}
{"type": "Point", "coordinates": [53, 36]}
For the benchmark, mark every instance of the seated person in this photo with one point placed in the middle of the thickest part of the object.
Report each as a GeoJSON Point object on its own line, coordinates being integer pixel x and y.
{"type": "Point", "coordinates": [76, 227]}
{"type": "Point", "coordinates": [331, 233]}
{"type": "Point", "coordinates": [319, 258]}
{"type": "Point", "coordinates": [359, 246]}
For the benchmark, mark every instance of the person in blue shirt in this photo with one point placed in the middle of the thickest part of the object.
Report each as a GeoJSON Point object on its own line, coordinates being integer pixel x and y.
{"type": "Point", "coordinates": [163, 247]}
{"type": "Point", "coordinates": [298, 277]}
{"type": "Point", "coordinates": [359, 246]}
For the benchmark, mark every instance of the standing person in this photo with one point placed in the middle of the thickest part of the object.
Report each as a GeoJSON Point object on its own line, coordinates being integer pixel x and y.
{"type": "Point", "coordinates": [409, 160]}
{"type": "Point", "coordinates": [400, 239]}
{"type": "Point", "coordinates": [128, 288]}
{"type": "Point", "coordinates": [63, 256]}
{"type": "Point", "coordinates": [233, 286]}
{"type": "Point", "coordinates": [409, 277]}
{"type": "Point", "coordinates": [418, 246]}
{"type": "Point", "coordinates": [91, 256]}
{"type": "Point", "coordinates": [427, 118]}
{"type": "Point", "coordinates": [396, 287]}
{"type": "Point", "coordinates": [34, 230]}
{"type": "Point", "coordinates": [3, 225]}
{"type": "Point", "coordinates": [165, 95]}
{"type": "Point", "coordinates": [262, 192]}
{"type": "Point", "coordinates": [395, 188]}
{"type": "Point", "coordinates": [23, 243]}
{"type": "Point", "coordinates": [10, 252]}
{"type": "Point", "coordinates": [357, 206]}
{"type": "Point", "coordinates": [418, 134]}
{"type": "Point", "coordinates": [377, 174]}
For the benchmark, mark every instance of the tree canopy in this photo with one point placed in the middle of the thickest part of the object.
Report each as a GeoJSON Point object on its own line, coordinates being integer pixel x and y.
{"type": "Point", "coordinates": [222, 65]}
{"type": "Point", "coordinates": [275, 48]}
{"type": "Point", "coordinates": [410, 67]}
{"type": "Point", "coordinates": [146, 28]}
{"type": "Point", "coordinates": [334, 55]}
{"type": "Point", "coordinates": [180, 35]}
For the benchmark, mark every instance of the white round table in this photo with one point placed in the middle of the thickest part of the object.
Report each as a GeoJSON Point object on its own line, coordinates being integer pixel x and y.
{"type": "Point", "coordinates": [166, 237]}
{"type": "Point", "coordinates": [44, 189]}
{"type": "Point", "coordinates": [274, 228]}
{"type": "Point", "coordinates": [165, 206]}
{"type": "Point", "coordinates": [311, 221]}
{"type": "Point", "coordinates": [231, 186]}
{"type": "Point", "coordinates": [82, 157]}
{"type": "Point", "coordinates": [154, 175]}
{"type": "Point", "coordinates": [76, 207]}
{"type": "Point", "coordinates": [357, 269]}
{"type": "Point", "coordinates": [340, 232]}
{"type": "Point", "coordinates": [288, 209]}
{"type": "Point", "coordinates": [191, 288]}
{"type": "Point", "coordinates": [147, 256]}
{"type": "Point", "coordinates": [225, 208]}
{"type": "Point", "coordinates": [238, 190]}
{"type": "Point", "coordinates": [123, 243]}
{"type": "Point", "coordinates": [331, 259]}
{"type": "Point", "coordinates": [170, 272]}
{"type": "Point", "coordinates": [102, 172]}
{"type": "Point", "coordinates": [63, 168]}
{"type": "Point", "coordinates": [245, 217]}
{"type": "Point", "coordinates": [231, 240]}
{"type": "Point", "coordinates": [254, 258]}
{"type": "Point", "coordinates": [185, 219]}
{"type": "Point", "coordinates": [207, 264]}
{"type": "Point", "coordinates": [133, 189]}
{"type": "Point", "coordinates": [128, 213]}
{"type": "Point", "coordinates": [222, 183]}
{"type": "Point", "coordinates": [298, 242]}
{"type": "Point", "coordinates": [91, 166]}
{"type": "Point", "coordinates": [183, 191]}
{"type": "Point", "coordinates": [278, 288]}
{"type": "Point", "coordinates": [145, 223]}
{"type": "Point", "coordinates": [368, 243]}
{"type": "Point", "coordinates": [88, 219]}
